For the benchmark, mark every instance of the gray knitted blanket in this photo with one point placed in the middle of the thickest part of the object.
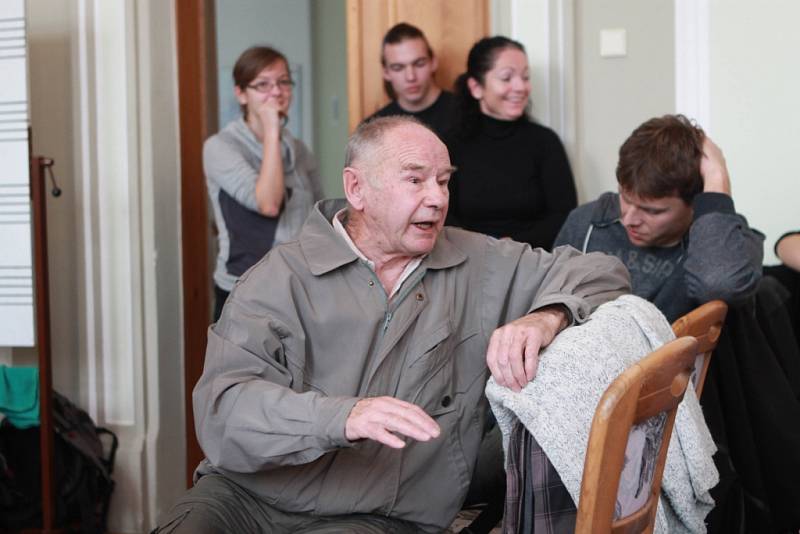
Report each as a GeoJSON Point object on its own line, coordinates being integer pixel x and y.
{"type": "Point", "coordinates": [557, 407]}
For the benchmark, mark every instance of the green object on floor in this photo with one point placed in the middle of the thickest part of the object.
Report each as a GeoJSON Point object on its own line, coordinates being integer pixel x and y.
{"type": "Point", "coordinates": [19, 395]}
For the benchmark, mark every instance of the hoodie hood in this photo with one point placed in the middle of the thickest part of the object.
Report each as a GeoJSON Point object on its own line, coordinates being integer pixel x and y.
{"type": "Point", "coordinates": [606, 210]}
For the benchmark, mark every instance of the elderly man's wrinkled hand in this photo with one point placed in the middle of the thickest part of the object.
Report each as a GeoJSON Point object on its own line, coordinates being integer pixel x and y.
{"type": "Point", "coordinates": [513, 353]}
{"type": "Point", "coordinates": [381, 418]}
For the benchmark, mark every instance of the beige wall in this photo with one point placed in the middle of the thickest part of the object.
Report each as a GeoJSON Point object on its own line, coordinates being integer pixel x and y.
{"type": "Point", "coordinates": [50, 68]}
{"type": "Point", "coordinates": [614, 95]}
{"type": "Point", "coordinates": [755, 116]}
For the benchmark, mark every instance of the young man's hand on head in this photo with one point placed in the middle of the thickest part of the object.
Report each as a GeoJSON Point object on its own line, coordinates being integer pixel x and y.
{"type": "Point", "coordinates": [713, 169]}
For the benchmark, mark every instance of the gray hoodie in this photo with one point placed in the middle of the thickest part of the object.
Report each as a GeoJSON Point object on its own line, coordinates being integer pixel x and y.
{"type": "Point", "coordinates": [719, 257]}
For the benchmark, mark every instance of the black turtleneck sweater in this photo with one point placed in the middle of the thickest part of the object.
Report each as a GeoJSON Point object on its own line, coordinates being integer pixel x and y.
{"type": "Point", "coordinates": [512, 180]}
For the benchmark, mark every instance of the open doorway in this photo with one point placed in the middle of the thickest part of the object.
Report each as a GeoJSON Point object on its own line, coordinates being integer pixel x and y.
{"type": "Point", "coordinates": [333, 47]}
{"type": "Point", "coordinates": [211, 35]}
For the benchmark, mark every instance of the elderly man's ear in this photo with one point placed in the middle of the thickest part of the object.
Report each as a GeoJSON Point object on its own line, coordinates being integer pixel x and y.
{"type": "Point", "coordinates": [354, 187]}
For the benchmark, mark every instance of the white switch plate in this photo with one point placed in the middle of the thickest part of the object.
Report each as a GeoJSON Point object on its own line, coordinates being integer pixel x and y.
{"type": "Point", "coordinates": [613, 43]}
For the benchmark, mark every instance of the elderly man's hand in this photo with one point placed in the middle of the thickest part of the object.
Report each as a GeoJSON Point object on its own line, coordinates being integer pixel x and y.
{"type": "Point", "coordinates": [380, 418]}
{"type": "Point", "coordinates": [513, 353]}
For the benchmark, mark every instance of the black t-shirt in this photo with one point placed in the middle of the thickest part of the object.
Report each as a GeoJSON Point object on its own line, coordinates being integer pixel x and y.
{"type": "Point", "coordinates": [438, 115]}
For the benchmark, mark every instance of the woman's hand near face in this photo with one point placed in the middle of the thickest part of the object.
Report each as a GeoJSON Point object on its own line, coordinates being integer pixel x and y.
{"type": "Point", "coordinates": [270, 183]}
{"type": "Point", "coordinates": [270, 115]}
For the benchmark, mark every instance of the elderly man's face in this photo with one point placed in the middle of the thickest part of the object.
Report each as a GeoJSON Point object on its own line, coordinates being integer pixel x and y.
{"type": "Point", "coordinates": [405, 206]}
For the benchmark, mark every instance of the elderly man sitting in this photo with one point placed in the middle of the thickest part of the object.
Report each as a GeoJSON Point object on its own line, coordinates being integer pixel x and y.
{"type": "Point", "coordinates": [343, 384]}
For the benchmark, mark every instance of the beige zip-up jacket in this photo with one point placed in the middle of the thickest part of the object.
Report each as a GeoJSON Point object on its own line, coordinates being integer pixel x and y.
{"type": "Point", "coordinates": [308, 331]}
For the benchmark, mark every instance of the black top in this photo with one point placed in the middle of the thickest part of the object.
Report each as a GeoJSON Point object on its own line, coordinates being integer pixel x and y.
{"type": "Point", "coordinates": [250, 234]}
{"type": "Point", "coordinates": [438, 115]}
{"type": "Point", "coordinates": [512, 180]}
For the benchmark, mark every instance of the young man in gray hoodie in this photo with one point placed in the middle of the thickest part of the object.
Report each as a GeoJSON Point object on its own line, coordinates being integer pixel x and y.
{"type": "Point", "coordinates": [673, 221]}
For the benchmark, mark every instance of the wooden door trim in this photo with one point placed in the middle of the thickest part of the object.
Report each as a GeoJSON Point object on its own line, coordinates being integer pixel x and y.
{"type": "Point", "coordinates": [195, 38]}
{"type": "Point", "coordinates": [354, 64]}
{"type": "Point", "coordinates": [366, 16]}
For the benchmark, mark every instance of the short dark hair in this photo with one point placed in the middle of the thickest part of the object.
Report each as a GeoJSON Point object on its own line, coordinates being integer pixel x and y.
{"type": "Point", "coordinates": [661, 158]}
{"type": "Point", "coordinates": [398, 33]}
{"type": "Point", "coordinates": [402, 32]}
{"type": "Point", "coordinates": [250, 63]}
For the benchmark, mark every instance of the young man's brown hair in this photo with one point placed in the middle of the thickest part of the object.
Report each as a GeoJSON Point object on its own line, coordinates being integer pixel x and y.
{"type": "Point", "coordinates": [661, 158]}
{"type": "Point", "coordinates": [397, 34]}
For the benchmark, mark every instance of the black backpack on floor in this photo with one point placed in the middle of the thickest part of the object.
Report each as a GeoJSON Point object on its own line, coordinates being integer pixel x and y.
{"type": "Point", "coordinates": [84, 460]}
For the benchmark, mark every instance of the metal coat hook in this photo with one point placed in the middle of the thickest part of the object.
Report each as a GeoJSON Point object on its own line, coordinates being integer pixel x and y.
{"type": "Point", "coordinates": [48, 163]}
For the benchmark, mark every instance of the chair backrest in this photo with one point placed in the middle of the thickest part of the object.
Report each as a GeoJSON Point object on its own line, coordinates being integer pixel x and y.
{"type": "Point", "coordinates": [704, 323]}
{"type": "Point", "coordinates": [628, 442]}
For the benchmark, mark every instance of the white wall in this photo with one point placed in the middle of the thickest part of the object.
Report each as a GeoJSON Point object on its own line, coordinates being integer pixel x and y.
{"type": "Point", "coordinates": [283, 24]}
{"type": "Point", "coordinates": [755, 116]}
{"type": "Point", "coordinates": [614, 95]}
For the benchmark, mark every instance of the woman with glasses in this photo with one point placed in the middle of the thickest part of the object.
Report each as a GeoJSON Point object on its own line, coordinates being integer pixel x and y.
{"type": "Point", "coordinates": [262, 181]}
{"type": "Point", "coordinates": [513, 178]}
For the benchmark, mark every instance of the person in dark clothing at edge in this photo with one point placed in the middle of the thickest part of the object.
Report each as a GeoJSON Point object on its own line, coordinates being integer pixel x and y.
{"type": "Point", "coordinates": [673, 221]}
{"type": "Point", "coordinates": [409, 67]}
{"type": "Point", "coordinates": [513, 178]}
{"type": "Point", "coordinates": [787, 249]}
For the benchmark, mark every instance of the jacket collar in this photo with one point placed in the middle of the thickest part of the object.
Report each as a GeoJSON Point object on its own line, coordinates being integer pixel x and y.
{"type": "Point", "coordinates": [326, 251]}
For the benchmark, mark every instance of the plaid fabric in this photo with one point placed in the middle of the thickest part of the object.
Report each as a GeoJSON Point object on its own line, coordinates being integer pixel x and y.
{"type": "Point", "coordinates": [536, 499]}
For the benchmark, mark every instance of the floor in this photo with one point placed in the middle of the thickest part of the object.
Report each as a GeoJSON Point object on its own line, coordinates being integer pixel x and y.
{"type": "Point", "coordinates": [464, 518]}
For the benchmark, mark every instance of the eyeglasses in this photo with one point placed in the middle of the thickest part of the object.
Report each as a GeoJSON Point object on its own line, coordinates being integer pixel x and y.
{"type": "Point", "coordinates": [265, 86]}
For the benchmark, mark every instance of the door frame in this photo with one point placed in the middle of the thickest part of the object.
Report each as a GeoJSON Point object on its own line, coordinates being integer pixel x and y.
{"type": "Point", "coordinates": [197, 110]}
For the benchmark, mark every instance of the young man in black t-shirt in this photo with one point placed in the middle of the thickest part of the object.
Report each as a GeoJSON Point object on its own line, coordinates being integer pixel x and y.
{"type": "Point", "coordinates": [409, 66]}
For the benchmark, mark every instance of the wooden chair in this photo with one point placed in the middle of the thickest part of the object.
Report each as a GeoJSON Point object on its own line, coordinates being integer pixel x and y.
{"type": "Point", "coordinates": [704, 323]}
{"type": "Point", "coordinates": [649, 391]}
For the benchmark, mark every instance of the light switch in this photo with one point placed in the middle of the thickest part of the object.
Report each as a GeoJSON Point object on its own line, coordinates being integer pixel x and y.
{"type": "Point", "coordinates": [613, 43]}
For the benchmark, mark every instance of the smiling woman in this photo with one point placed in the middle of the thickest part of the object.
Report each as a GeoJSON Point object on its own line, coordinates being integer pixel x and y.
{"type": "Point", "coordinates": [262, 182]}
{"type": "Point", "coordinates": [514, 179]}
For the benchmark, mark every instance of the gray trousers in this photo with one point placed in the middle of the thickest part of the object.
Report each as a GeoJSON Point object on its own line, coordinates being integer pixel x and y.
{"type": "Point", "coordinates": [215, 505]}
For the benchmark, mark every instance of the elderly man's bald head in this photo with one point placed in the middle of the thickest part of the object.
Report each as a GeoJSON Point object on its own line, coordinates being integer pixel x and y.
{"type": "Point", "coordinates": [369, 137]}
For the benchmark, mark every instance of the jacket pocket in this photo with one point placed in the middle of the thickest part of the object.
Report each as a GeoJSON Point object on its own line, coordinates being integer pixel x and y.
{"type": "Point", "coordinates": [431, 345]}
